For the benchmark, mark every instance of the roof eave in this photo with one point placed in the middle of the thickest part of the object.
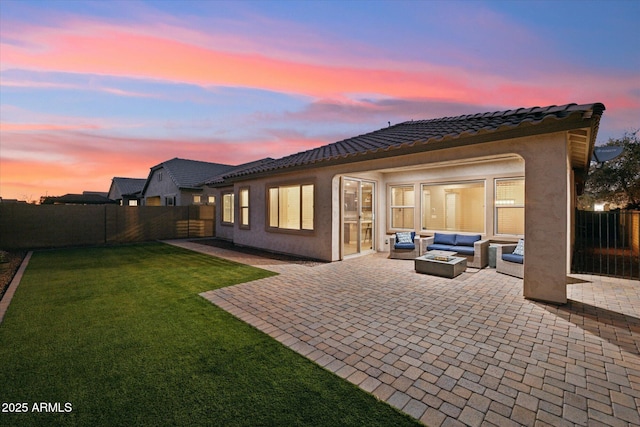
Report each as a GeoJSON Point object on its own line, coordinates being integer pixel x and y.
{"type": "Point", "coordinates": [575, 120]}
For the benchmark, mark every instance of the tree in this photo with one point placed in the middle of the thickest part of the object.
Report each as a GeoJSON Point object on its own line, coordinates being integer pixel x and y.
{"type": "Point", "coordinates": [617, 181]}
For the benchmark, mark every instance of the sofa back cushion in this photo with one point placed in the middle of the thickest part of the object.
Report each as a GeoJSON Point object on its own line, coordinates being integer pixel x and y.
{"type": "Point", "coordinates": [444, 239]}
{"type": "Point", "coordinates": [466, 240]}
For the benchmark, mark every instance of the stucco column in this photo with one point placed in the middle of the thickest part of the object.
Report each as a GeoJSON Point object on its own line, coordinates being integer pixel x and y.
{"type": "Point", "coordinates": [546, 219]}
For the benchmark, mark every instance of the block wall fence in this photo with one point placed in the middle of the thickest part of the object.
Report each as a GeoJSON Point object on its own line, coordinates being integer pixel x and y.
{"type": "Point", "coordinates": [24, 226]}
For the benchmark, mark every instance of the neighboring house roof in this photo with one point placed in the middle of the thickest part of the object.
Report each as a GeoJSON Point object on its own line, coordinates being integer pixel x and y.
{"type": "Point", "coordinates": [422, 135]}
{"type": "Point", "coordinates": [88, 198]}
{"type": "Point", "coordinates": [100, 193]}
{"type": "Point", "coordinates": [189, 174]}
{"type": "Point", "coordinates": [128, 186]}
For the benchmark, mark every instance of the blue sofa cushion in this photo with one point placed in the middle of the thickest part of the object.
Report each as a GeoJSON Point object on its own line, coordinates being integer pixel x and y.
{"type": "Point", "coordinates": [513, 258]}
{"type": "Point", "coordinates": [464, 250]}
{"type": "Point", "coordinates": [404, 240]}
{"type": "Point", "coordinates": [444, 239]}
{"type": "Point", "coordinates": [465, 240]}
{"type": "Point", "coordinates": [437, 247]}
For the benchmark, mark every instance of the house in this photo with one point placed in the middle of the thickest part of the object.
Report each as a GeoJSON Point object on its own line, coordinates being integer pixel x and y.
{"type": "Point", "coordinates": [126, 191]}
{"type": "Point", "coordinates": [86, 198]}
{"type": "Point", "coordinates": [503, 175]}
{"type": "Point", "coordinates": [178, 182]}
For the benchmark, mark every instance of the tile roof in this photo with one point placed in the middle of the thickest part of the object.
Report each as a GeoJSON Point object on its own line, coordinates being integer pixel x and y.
{"type": "Point", "coordinates": [424, 132]}
{"type": "Point", "coordinates": [190, 174]}
{"type": "Point", "coordinates": [129, 186]}
{"type": "Point", "coordinates": [238, 169]}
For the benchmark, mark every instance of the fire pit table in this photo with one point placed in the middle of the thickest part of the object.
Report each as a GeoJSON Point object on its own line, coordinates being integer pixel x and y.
{"type": "Point", "coordinates": [441, 263]}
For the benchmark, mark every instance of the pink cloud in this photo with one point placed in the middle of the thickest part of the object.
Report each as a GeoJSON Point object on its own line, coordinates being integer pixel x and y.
{"type": "Point", "coordinates": [142, 52]}
{"type": "Point", "coordinates": [30, 127]}
{"type": "Point", "coordinates": [61, 161]}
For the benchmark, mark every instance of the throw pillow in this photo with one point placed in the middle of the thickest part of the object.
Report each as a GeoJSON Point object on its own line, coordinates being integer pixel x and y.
{"type": "Point", "coordinates": [404, 237]}
{"type": "Point", "coordinates": [519, 250]}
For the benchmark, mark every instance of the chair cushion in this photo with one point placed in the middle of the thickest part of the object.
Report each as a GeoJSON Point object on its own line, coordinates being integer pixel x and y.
{"type": "Point", "coordinates": [464, 250]}
{"type": "Point", "coordinates": [465, 240]}
{"type": "Point", "coordinates": [409, 246]}
{"type": "Point", "coordinates": [444, 239]}
{"type": "Point", "coordinates": [437, 247]}
{"type": "Point", "coordinates": [513, 258]}
{"type": "Point", "coordinates": [519, 250]}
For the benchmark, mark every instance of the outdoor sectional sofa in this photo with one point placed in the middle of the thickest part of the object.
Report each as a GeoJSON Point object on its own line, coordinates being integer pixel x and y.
{"type": "Point", "coordinates": [509, 263]}
{"type": "Point", "coordinates": [472, 247]}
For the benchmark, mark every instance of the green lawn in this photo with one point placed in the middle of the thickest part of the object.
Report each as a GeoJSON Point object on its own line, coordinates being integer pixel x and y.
{"type": "Point", "coordinates": [119, 336]}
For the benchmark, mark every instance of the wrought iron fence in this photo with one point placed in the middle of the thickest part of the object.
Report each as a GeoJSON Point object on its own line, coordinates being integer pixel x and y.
{"type": "Point", "coordinates": [607, 243]}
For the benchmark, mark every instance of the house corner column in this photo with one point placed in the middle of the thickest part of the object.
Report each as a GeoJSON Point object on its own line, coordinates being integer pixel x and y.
{"type": "Point", "coordinates": [546, 219]}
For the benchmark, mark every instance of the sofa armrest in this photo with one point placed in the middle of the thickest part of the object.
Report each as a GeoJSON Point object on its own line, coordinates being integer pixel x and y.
{"type": "Point", "coordinates": [480, 245]}
{"type": "Point", "coordinates": [480, 254]}
{"type": "Point", "coordinates": [424, 242]}
{"type": "Point", "coordinates": [505, 249]}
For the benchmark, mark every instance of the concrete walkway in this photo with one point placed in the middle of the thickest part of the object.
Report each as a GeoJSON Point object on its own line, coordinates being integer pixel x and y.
{"type": "Point", "coordinates": [468, 351]}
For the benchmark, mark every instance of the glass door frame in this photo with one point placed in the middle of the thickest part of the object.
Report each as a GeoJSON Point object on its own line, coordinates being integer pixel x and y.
{"type": "Point", "coordinates": [355, 219]}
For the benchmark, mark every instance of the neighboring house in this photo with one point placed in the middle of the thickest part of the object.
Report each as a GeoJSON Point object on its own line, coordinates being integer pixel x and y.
{"type": "Point", "coordinates": [86, 198]}
{"type": "Point", "coordinates": [178, 182]}
{"type": "Point", "coordinates": [126, 191]}
{"type": "Point", "coordinates": [503, 175]}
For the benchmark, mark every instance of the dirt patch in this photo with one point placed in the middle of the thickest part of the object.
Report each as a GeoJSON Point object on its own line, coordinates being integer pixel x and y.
{"type": "Point", "coordinates": [9, 264]}
{"type": "Point", "coordinates": [224, 244]}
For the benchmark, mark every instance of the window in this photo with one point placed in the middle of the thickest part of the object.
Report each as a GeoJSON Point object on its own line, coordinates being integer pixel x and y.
{"type": "Point", "coordinates": [510, 206]}
{"type": "Point", "coordinates": [133, 202]}
{"type": "Point", "coordinates": [159, 176]}
{"type": "Point", "coordinates": [291, 207]}
{"type": "Point", "coordinates": [211, 200]}
{"type": "Point", "coordinates": [244, 207]}
{"type": "Point", "coordinates": [227, 208]}
{"type": "Point", "coordinates": [169, 201]}
{"type": "Point", "coordinates": [197, 199]}
{"type": "Point", "coordinates": [402, 207]}
{"type": "Point", "coordinates": [454, 206]}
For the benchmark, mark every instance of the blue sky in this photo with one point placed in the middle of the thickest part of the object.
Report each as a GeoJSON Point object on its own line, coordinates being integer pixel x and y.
{"type": "Point", "coordinates": [90, 90]}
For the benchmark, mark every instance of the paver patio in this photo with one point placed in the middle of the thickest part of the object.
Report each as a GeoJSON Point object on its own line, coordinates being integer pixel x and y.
{"type": "Point", "coordinates": [465, 351]}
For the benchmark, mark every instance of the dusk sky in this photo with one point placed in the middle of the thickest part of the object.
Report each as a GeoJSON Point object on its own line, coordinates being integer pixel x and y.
{"type": "Point", "coordinates": [90, 90]}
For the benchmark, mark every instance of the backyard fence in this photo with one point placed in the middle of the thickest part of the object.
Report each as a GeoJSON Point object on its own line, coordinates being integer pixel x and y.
{"type": "Point", "coordinates": [24, 226]}
{"type": "Point", "coordinates": [608, 243]}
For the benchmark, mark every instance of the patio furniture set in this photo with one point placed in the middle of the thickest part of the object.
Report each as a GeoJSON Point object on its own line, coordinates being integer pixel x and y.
{"type": "Point", "coordinates": [449, 255]}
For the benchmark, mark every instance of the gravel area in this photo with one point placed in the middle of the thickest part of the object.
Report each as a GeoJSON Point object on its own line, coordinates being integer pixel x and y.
{"type": "Point", "coordinates": [9, 264]}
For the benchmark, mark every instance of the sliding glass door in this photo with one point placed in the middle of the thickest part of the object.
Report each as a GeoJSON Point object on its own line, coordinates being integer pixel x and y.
{"type": "Point", "coordinates": [357, 216]}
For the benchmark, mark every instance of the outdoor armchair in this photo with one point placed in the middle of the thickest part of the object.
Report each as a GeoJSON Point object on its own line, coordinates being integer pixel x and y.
{"type": "Point", "coordinates": [507, 262]}
{"type": "Point", "coordinates": [404, 245]}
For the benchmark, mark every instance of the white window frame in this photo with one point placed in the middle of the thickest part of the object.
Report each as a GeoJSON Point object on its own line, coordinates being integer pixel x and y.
{"type": "Point", "coordinates": [497, 205]}
{"type": "Point", "coordinates": [228, 208]}
{"type": "Point", "coordinates": [392, 206]}
{"type": "Point", "coordinates": [243, 207]}
{"type": "Point", "coordinates": [273, 220]}
{"type": "Point", "coordinates": [443, 183]}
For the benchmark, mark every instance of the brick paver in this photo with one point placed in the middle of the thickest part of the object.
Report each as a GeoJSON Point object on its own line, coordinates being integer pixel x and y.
{"type": "Point", "coordinates": [467, 351]}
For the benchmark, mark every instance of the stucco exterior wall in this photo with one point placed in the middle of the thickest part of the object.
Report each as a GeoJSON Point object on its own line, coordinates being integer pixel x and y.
{"type": "Point", "coordinates": [312, 244]}
{"type": "Point", "coordinates": [162, 188]}
{"type": "Point", "coordinates": [548, 187]}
